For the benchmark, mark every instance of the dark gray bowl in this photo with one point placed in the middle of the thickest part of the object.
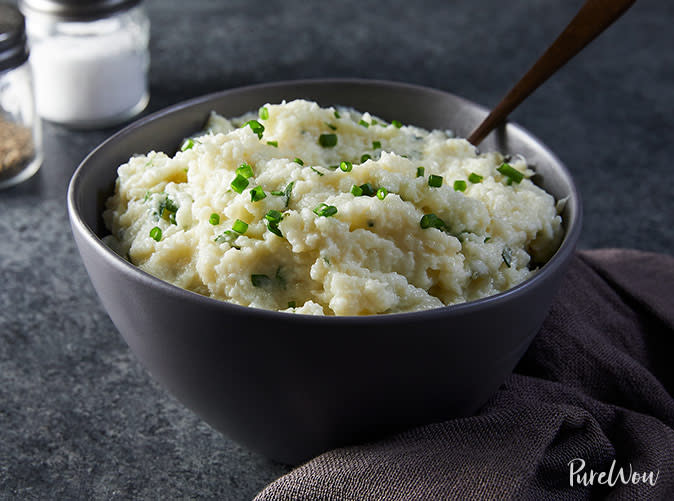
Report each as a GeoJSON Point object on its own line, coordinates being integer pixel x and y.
{"type": "Point", "coordinates": [292, 386]}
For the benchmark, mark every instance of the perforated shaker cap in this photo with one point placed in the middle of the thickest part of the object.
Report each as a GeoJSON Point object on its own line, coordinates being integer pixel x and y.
{"type": "Point", "coordinates": [13, 49]}
{"type": "Point", "coordinates": [75, 10]}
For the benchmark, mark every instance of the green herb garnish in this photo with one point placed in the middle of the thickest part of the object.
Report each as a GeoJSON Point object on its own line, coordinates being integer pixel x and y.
{"type": "Point", "coordinates": [475, 178]}
{"type": "Point", "coordinates": [356, 191]}
{"type": "Point", "coordinates": [257, 194]}
{"type": "Point", "coordinates": [244, 170]}
{"type": "Point", "coordinates": [227, 236]}
{"type": "Point", "coordinates": [381, 193]}
{"type": "Point", "coordinates": [333, 127]}
{"type": "Point", "coordinates": [239, 184]}
{"type": "Point", "coordinates": [346, 166]}
{"type": "Point", "coordinates": [292, 304]}
{"type": "Point", "coordinates": [325, 210]}
{"type": "Point", "coordinates": [420, 171]}
{"type": "Point", "coordinates": [397, 124]}
{"type": "Point", "coordinates": [214, 219]}
{"type": "Point", "coordinates": [364, 158]}
{"type": "Point", "coordinates": [432, 221]}
{"type": "Point", "coordinates": [511, 173]}
{"type": "Point", "coordinates": [188, 144]}
{"type": "Point", "coordinates": [273, 218]}
{"type": "Point", "coordinates": [368, 190]}
{"type": "Point", "coordinates": [317, 171]}
{"type": "Point", "coordinates": [507, 255]}
{"type": "Point", "coordinates": [256, 127]}
{"type": "Point", "coordinates": [273, 143]}
{"type": "Point", "coordinates": [434, 181]}
{"type": "Point", "coordinates": [299, 161]}
{"type": "Point", "coordinates": [363, 123]}
{"type": "Point", "coordinates": [460, 185]}
{"type": "Point", "coordinates": [376, 145]}
{"type": "Point", "coordinates": [240, 226]}
{"type": "Point", "coordinates": [155, 233]}
{"type": "Point", "coordinates": [264, 113]}
{"type": "Point", "coordinates": [260, 280]}
{"type": "Point", "coordinates": [337, 114]}
{"type": "Point", "coordinates": [327, 140]}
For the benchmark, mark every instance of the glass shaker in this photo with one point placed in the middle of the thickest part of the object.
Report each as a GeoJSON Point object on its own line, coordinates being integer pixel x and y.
{"type": "Point", "coordinates": [90, 59]}
{"type": "Point", "coordinates": [20, 128]}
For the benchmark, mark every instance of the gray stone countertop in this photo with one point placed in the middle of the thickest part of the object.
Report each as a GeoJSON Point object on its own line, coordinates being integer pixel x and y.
{"type": "Point", "coordinates": [79, 416]}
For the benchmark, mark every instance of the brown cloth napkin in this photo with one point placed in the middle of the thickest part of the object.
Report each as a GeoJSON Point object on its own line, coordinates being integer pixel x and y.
{"type": "Point", "coordinates": [596, 385]}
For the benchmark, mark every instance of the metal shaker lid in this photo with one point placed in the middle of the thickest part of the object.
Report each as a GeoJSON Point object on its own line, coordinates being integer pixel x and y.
{"type": "Point", "coordinates": [13, 49]}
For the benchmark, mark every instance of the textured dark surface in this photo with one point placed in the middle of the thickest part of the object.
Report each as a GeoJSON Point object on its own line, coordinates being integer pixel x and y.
{"type": "Point", "coordinates": [80, 418]}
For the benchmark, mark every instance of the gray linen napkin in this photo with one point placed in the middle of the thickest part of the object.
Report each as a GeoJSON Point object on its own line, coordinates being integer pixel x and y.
{"type": "Point", "coordinates": [592, 394]}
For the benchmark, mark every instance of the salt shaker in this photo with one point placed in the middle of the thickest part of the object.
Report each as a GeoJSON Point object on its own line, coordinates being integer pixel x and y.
{"type": "Point", "coordinates": [90, 59]}
{"type": "Point", "coordinates": [20, 128]}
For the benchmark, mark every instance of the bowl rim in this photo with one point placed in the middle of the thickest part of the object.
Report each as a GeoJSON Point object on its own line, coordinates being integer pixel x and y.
{"type": "Point", "coordinates": [561, 255]}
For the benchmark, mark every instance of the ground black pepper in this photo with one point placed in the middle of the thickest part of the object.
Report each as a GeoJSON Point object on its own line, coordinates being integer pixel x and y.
{"type": "Point", "coordinates": [16, 148]}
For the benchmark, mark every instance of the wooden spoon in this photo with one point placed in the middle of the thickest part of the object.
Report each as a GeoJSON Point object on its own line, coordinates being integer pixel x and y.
{"type": "Point", "coordinates": [593, 18]}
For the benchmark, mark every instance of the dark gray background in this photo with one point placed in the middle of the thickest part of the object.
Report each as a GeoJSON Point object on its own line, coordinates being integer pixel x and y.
{"type": "Point", "coordinates": [80, 418]}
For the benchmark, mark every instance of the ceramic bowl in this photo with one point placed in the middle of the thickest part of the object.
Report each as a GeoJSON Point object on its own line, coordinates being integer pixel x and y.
{"type": "Point", "coordinates": [292, 386]}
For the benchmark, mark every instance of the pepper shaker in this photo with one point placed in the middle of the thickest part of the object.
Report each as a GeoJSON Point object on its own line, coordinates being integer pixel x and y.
{"type": "Point", "coordinates": [90, 60]}
{"type": "Point", "coordinates": [20, 128]}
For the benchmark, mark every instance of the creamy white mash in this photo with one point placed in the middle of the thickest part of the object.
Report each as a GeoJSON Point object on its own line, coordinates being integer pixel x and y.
{"type": "Point", "coordinates": [331, 212]}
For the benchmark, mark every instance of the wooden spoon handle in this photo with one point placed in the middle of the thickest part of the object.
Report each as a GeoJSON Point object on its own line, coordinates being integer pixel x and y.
{"type": "Point", "coordinates": [593, 18]}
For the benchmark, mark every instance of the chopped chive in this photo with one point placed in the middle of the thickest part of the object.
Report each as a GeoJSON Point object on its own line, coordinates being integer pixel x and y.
{"type": "Point", "coordinates": [363, 123]}
{"type": "Point", "coordinates": [381, 193]}
{"type": "Point", "coordinates": [333, 167]}
{"type": "Point", "coordinates": [374, 121]}
{"type": "Point", "coordinates": [507, 255]}
{"type": "Point", "coordinates": [460, 185]}
{"type": "Point", "coordinates": [260, 280]}
{"type": "Point", "coordinates": [299, 161]}
{"type": "Point", "coordinates": [420, 171]}
{"type": "Point", "coordinates": [317, 171]}
{"type": "Point", "coordinates": [364, 158]}
{"type": "Point", "coordinates": [273, 218]}
{"type": "Point", "coordinates": [434, 181]}
{"type": "Point", "coordinates": [257, 194]}
{"type": "Point", "coordinates": [346, 166]}
{"type": "Point", "coordinates": [325, 210]}
{"type": "Point", "coordinates": [188, 144]}
{"type": "Point", "coordinates": [287, 192]}
{"type": "Point", "coordinates": [147, 196]}
{"type": "Point", "coordinates": [256, 127]}
{"type": "Point", "coordinates": [292, 304]}
{"type": "Point", "coordinates": [239, 184]}
{"type": "Point", "coordinates": [155, 233]}
{"type": "Point", "coordinates": [376, 145]}
{"type": "Point", "coordinates": [368, 190]}
{"type": "Point", "coordinates": [227, 236]}
{"type": "Point", "coordinates": [337, 114]}
{"type": "Point", "coordinates": [273, 143]}
{"type": "Point", "coordinates": [487, 239]}
{"type": "Point", "coordinates": [327, 140]}
{"type": "Point", "coordinates": [511, 173]}
{"type": "Point", "coordinates": [397, 124]}
{"type": "Point", "coordinates": [475, 178]}
{"type": "Point", "coordinates": [240, 226]}
{"type": "Point", "coordinates": [167, 209]}
{"type": "Point", "coordinates": [356, 191]}
{"type": "Point", "coordinates": [333, 127]}
{"type": "Point", "coordinates": [277, 193]}
{"type": "Point", "coordinates": [264, 113]}
{"type": "Point", "coordinates": [432, 221]}
{"type": "Point", "coordinates": [244, 170]}
{"type": "Point", "coordinates": [214, 219]}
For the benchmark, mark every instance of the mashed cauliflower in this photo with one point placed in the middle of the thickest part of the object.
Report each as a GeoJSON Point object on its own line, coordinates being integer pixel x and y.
{"type": "Point", "coordinates": [330, 211]}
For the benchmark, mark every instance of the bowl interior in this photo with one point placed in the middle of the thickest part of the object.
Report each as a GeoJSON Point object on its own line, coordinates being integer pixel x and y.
{"type": "Point", "coordinates": [420, 106]}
